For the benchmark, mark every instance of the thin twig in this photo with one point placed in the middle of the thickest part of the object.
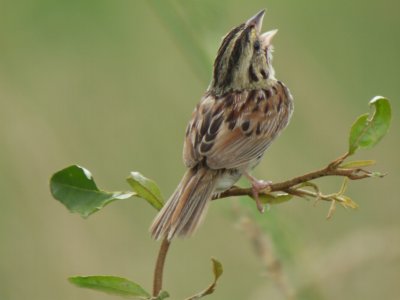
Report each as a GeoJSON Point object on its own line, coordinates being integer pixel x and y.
{"type": "Point", "coordinates": [287, 186]}
{"type": "Point", "coordinates": [159, 269]}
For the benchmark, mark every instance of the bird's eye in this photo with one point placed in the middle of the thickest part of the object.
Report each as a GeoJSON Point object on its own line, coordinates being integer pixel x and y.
{"type": "Point", "coordinates": [257, 45]}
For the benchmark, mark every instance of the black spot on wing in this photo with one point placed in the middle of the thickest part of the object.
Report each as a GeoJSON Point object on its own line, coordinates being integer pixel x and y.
{"type": "Point", "coordinates": [205, 124]}
{"type": "Point", "coordinates": [285, 89]}
{"type": "Point", "coordinates": [266, 108]}
{"type": "Point", "coordinates": [215, 124]}
{"type": "Point", "coordinates": [251, 96]}
{"type": "Point", "coordinates": [258, 98]}
{"type": "Point", "coordinates": [245, 125]}
{"type": "Point", "coordinates": [205, 147]}
{"type": "Point", "coordinates": [231, 119]}
{"type": "Point", "coordinates": [268, 93]}
{"type": "Point", "coordinates": [279, 103]}
{"type": "Point", "coordinates": [210, 137]}
{"type": "Point", "coordinates": [258, 129]}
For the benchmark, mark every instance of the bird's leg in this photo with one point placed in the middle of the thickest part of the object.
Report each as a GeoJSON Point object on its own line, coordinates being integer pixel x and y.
{"type": "Point", "coordinates": [257, 186]}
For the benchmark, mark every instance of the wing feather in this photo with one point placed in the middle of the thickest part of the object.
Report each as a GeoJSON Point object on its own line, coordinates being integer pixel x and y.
{"type": "Point", "coordinates": [233, 131]}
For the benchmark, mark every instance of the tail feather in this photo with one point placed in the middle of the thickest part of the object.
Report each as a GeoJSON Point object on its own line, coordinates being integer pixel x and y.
{"type": "Point", "coordinates": [184, 210]}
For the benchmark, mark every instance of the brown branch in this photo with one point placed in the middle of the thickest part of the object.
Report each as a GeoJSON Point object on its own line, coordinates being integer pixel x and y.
{"type": "Point", "coordinates": [159, 268]}
{"type": "Point", "coordinates": [288, 186]}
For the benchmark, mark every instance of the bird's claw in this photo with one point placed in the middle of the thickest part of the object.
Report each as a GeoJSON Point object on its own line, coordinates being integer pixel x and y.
{"type": "Point", "coordinates": [257, 187]}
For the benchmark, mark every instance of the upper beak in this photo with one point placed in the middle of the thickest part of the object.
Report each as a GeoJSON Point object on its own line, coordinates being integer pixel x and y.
{"type": "Point", "coordinates": [266, 37]}
{"type": "Point", "coordinates": [256, 20]}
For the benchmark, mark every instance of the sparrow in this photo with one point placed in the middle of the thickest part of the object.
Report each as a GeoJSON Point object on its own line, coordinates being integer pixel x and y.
{"type": "Point", "coordinates": [241, 113]}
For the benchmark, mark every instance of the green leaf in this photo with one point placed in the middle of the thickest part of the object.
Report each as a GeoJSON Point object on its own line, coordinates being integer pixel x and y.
{"type": "Point", "coordinates": [275, 198]}
{"type": "Point", "coordinates": [217, 271]}
{"type": "Point", "coordinates": [163, 295]}
{"type": "Point", "coordinates": [369, 129]}
{"type": "Point", "coordinates": [377, 174]}
{"type": "Point", "coordinates": [111, 285]}
{"type": "Point", "coordinates": [146, 188]}
{"type": "Point", "coordinates": [347, 202]}
{"type": "Point", "coordinates": [358, 164]}
{"type": "Point", "coordinates": [75, 187]}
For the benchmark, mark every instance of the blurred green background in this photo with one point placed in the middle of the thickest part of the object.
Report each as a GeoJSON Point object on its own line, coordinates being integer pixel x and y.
{"type": "Point", "coordinates": [110, 85]}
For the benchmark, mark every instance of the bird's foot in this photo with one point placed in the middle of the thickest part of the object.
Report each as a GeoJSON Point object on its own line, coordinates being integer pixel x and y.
{"type": "Point", "coordinates": [258, 186]}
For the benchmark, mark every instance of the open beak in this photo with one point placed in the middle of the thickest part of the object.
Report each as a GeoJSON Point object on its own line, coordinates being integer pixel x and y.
{"type": "Point", "coordinates": [266, 37]}
{"type": "Point", "coordinates": [256, 20]}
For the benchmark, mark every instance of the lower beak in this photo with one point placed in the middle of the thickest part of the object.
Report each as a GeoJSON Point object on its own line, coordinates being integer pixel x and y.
{"type": "Point", "coordinates": [266, 37]}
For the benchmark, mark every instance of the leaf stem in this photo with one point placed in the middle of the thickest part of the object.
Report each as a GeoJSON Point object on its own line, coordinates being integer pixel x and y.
{"type": "Point", "coordinates": [159, 268]}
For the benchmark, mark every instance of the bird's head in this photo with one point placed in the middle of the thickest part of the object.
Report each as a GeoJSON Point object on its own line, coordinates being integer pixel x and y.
{"type": "Point", "coordinates": [244, 58]}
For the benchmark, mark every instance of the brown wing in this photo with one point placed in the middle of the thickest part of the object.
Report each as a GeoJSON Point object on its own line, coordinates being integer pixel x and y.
{"type": "Point", "coordinates": [232, 131]}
